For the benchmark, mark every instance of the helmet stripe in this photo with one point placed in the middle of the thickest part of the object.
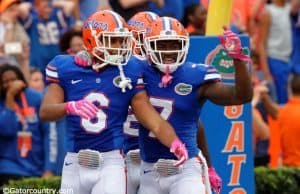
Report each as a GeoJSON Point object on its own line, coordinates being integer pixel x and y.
{"type": "Point", "coordinates": [152, 15]}
{"type": "Point", "coordinates": [167, 23]}
{"type": "Point", "coordinates": [117, 19]}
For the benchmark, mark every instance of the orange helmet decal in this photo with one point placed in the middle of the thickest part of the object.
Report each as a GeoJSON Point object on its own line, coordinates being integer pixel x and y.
{"type": "Point", "coordinates": [101, 21]}
{"type": "Point", "coordinates": [142, 20]}
{"type": "Point", "coordinates": [139, 25]}
{"type": "Point", "coordinates": [167, 26]}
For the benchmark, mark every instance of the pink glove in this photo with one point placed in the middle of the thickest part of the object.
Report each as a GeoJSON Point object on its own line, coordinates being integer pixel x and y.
{"type": "Point", "coordinates": [82, 108]}
{"type": "Point", "coordinates": [215, 180]}
{"type": "Point", "coordinates": [83, 59]}
{"type": "Point", "coordinates": [178, 148]}
{"type": "Point", "coordinates": [232, 44]}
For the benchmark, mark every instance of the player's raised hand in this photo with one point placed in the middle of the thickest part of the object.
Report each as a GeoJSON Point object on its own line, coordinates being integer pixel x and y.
{"type": "Point", "coordinates": [82, 108]}
{"type": "Point", "coordinates": [215, 180]}
{"type": "Point", "coordinates": [180, 151]}
{"type": "Point", "coordinates": [83, 58]}
{"type": "Point", "coordinates": [232, 44]}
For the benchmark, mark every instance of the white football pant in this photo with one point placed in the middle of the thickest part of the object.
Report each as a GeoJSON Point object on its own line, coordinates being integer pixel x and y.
{"type": "Point", "coordinates": [190, 179]}
{"type": "Point", "coordinates": [133, 176]}
{"type": "Point", "coordinates": [108, 178]}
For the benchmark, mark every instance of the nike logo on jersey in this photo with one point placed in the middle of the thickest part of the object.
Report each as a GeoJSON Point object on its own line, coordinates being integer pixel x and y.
{"type": "Point", "coordinates": [147, 171]}
{"type": "Point", "coordinates": [68, 163]}
{"type": "Point", "coordinates": [75, 81]}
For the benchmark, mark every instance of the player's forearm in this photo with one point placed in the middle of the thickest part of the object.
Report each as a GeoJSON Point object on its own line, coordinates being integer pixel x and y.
{"type": "Point", "coordinates": [52, 112]}
{"type": "Point", "coordinates": [151, 120]}
{"type": "Point", "coordinates": [243, 86]}
{"type": "Point", "coordinates": [53, 106]}
{"type": "Point", "coordinates": [165, 133]}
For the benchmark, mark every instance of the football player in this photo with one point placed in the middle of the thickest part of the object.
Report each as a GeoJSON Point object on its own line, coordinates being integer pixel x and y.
{"type": "Point", "coordinates": [178, 89]}
{"type": "Point", "coordinates": [95, 102]}
{"type": "Point", "coordinates": [140, 24]}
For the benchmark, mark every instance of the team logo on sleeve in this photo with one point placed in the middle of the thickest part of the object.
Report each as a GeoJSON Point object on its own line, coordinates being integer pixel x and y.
{"type": "Point", "coordinates": [183, 89]}
{"type": "Point", "coordinates": [222, 62]}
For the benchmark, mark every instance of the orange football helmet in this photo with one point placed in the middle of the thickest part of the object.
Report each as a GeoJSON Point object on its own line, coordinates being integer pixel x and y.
{"type": "Point", "coordinates": [139, 25]}
{"type": "Point", "coordinates": [167, 43]}
{"type": "Point", "coordinates": [106, 36]}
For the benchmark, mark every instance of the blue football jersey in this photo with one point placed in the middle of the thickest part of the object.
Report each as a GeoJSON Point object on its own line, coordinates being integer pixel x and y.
{"type": "Point", "coordinates": [131, 125]}
{"type": "Point", "coordinates": [131, 132]}
{"type": "Point", "coordinates": [179, 104]}
{"type": "Point", "coordinates": [105, 132]}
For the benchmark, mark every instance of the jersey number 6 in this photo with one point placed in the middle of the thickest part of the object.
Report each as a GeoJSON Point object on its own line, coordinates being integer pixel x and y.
{"type": "Point", "coordinates": [100, 122]}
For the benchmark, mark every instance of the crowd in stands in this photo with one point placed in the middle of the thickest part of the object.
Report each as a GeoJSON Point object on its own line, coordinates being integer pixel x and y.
{"type": "Point", "coordinates": [32, 32]}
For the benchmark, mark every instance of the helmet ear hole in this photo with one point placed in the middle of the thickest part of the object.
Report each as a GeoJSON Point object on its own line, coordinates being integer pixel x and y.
{"type": "Point", "coordinates": [89, 41]}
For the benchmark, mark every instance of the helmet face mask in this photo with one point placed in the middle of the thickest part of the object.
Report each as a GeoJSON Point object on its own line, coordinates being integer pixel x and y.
{"type": "Point", "coordinates": [167, 51]}
{"type": "Point", "coordinates": [113, 48]}
{"type": "Point", "coordinates": [138, 44]}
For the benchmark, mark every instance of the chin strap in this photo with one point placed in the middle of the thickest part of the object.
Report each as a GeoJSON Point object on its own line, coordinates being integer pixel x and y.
{"type": "Point", "coordinates": [109, 58]}
{"type": "Point", "coordinates": [166, 79]}
{"type": "Point", "coordinates": [98, 66]}
{"type": "Point", "coordinates": [125, 81]}
{"type": "Point", "coordinates": [84, 59]}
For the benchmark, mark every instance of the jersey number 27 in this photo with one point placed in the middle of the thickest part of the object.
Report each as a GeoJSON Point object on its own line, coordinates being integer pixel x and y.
{"type": "Point", "coordinates": [164, 106]}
